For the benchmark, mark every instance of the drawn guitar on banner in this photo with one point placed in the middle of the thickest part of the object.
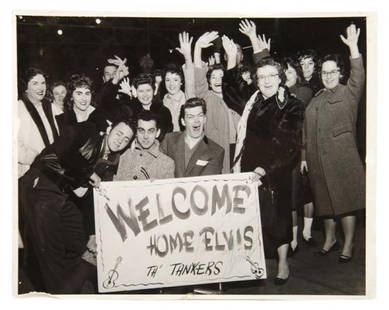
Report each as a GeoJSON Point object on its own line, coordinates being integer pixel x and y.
{"type": "Point", "coordinates": [113, 275]}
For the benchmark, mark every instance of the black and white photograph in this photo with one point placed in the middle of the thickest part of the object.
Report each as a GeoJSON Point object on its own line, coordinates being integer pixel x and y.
{"type": "Point", "coordinates": [196, 155]}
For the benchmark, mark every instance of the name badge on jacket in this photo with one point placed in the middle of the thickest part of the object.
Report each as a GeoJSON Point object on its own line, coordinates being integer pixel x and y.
{"type": "Point", "coordinates": [201, 162]}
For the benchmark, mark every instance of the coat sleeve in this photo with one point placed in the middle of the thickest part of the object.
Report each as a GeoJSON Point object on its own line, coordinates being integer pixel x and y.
{"type": "Point", "coordinates": [236, 92]}
{"type": "Point", "coordinates": [257, 57]}
{"type": "Point", "coordinates": [201, 84]}
{"type": "Point", "coordinates": [67, 149]}
{"type": "Point", "coordinates": [356, 81]}
{"type": "Point", "coordinates": [189, 77]}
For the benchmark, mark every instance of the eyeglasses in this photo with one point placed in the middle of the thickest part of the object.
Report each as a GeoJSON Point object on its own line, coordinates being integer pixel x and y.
{"type": "Point", "coordinates": [270, 77]}
{"type": "Point", "coordinates": [329, 73]}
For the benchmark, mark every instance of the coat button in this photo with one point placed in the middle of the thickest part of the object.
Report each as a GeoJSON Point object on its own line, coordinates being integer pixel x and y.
{"type": "Point", "coordinates": [135, 177]}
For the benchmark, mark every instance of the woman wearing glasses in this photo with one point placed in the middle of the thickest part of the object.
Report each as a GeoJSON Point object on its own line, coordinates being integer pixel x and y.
{"type": "Point", "coordinates": [335, 168]}
{"type": "Point", "coordinates": [269, 142]}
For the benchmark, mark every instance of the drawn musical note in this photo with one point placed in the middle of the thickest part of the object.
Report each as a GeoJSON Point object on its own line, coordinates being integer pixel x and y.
{"type": "Point", "coordinates": [255, 269]}
{"type": "Point", "coordinates": [113, 275]}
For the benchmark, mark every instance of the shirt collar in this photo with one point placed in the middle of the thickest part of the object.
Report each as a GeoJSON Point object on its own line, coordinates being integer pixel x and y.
{"type": "Point", "coordinates": [153, 150]}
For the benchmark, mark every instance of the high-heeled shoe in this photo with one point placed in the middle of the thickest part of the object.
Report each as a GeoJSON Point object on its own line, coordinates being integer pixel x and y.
{"type": "Point", "coordinates": [344, 258]}
{"type": "Point", "coordinates": [324, 252]}
{"type": "Point", "coordinates": [309, 242]}
{"type": "Point", "coordinates": [280, 281]}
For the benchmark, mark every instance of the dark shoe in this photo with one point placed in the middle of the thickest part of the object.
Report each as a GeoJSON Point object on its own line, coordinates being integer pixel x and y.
{"type": "Point", "coordinates": [310, 242]}
{"type": "Point", "coordinates": [344, 258]}
{"type": "Point", "coordinates": [323, 252]}
{"type": "Point", "coordinates": [280, 281]}
{"type": "Point", "coordinates": [291, 252]}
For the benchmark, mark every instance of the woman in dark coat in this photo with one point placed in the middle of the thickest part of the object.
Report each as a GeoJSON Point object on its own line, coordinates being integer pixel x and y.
{"type": "Point", "coordinates": [51, 224]}
{"type": "Point", "coordinates": [269, 143]}
{"type": "Point", "coordinates": [335, 168]}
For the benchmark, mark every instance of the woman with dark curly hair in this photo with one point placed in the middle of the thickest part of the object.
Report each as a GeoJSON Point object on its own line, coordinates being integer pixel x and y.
{"type": "Point", "coordinates": [36, 124]}
{"type": "Point", "coordinates": [301, 195]}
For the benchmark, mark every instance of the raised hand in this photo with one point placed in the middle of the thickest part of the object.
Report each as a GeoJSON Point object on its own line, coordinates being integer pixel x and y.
{"type": "Point", "coordinates": [248, 28]}
{"type": "Point", "coordinates": [185, 45]}
{"type": "Point", "coordinates": [263, 44]}
{"type": "Point", "coordinates": [117, 61]}
{"type": "Point", "coordinates": [229, 46]}
{"type": "Point", "coordinates": [352, 36]}
{"type": "Point", "coordinates": [231, 51]}
{"type": "Point", "coordinates": [211, 61]}
{"type": "Point", "coordinates": [125, 87]}
{"type": "Point", "coordinates": [206, 39]}
{"type": "Point", "coordinates": [120, 73]}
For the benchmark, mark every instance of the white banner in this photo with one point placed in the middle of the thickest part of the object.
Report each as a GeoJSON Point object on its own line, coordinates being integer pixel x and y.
{"type": "Point", "coordinates": [177, 232]}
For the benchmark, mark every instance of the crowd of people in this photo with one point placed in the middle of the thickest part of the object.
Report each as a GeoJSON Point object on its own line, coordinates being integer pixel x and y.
{"type": "Point", "coordinates": [291, 121]}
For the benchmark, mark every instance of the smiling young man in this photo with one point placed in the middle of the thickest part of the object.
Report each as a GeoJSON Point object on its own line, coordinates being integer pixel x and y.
{"type": "Point", "coordinates": [145, 160]}
{"type": "Point", "coordinates": [57, 259]}
{"type": "Point", "coordinates": [193, 153]}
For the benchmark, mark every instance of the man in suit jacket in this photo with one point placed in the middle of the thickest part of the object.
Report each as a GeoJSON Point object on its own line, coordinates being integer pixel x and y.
{"type": "Point", "coordinates": [193, 153]}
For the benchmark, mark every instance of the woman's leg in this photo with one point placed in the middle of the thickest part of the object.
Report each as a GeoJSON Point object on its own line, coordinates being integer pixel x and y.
{"type": "Point", "coordinates": [283, 266]}
{"type": "Point", "coordinates": [293, 243]}
{"type": "Point", "coordinates": [330, 237]}
{"type": "Point", "coordinates": [308, 219]}
{"type": "Point", "coordinates": [348, 225]}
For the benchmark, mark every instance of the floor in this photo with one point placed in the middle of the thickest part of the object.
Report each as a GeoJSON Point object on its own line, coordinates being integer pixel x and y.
{"type": "Point", "coordinates": [310, 274]}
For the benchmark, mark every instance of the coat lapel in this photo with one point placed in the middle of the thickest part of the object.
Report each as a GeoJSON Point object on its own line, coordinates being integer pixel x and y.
{"type": "Point", "coordinates": [200, 153]}
{"type": "Point", "coordinates": [179, 155]}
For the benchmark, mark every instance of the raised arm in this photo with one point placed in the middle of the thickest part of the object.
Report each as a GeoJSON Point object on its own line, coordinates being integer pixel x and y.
{"type": "Point", "coordinates": [186, 50]}
{"type": "Point", "coordinates": [203, 41]}
{"type": "Point", "coordinates": [231, 51]}
{"type": "Point", "coordinates": [352, 40]}
{"type": "Point", "coordinates": [356, 80]}
{"type": "Point", "coordinates": [201, 84]}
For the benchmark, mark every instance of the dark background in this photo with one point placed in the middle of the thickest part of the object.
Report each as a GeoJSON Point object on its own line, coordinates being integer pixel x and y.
{"type": "Point", "coordinates": [85, 45]}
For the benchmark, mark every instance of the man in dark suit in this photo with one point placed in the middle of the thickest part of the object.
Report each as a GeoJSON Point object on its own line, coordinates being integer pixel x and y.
{"type": "Point", "coordinates": [193, 153]}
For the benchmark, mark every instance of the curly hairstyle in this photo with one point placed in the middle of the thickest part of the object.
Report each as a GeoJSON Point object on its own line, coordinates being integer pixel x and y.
{"type": "Point", "coordinates": [26, 77]}
{"type": "Point", "coordinates": [269, 61]}
{"type": "Point", "coordinates": [78, 81]}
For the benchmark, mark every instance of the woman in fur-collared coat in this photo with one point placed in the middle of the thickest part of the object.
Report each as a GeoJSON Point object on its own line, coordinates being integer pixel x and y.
{"type": "Point", "coordinates": [335, 168]}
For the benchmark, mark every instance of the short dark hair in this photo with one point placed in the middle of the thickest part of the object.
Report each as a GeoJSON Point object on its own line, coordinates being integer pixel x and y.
{"type": "Point", "coordinates": [144, 78]}
{"type": "Point", "coordinates": [191, 103]}
{"type": "Point", "coordinates": [213, 68]}
{"type": "Point", "coordinates": [130, 122]}
{"type": "Point", "coordinates": [173, 69]}
{"type": "Point", "coordinates": [147, 115]}
{"type": "Point", "coordinates": [339, 62]}
{"type": "Point", "coordinates": [308, 53]}
{"type": "Point", "coordinates": [269, 61]}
